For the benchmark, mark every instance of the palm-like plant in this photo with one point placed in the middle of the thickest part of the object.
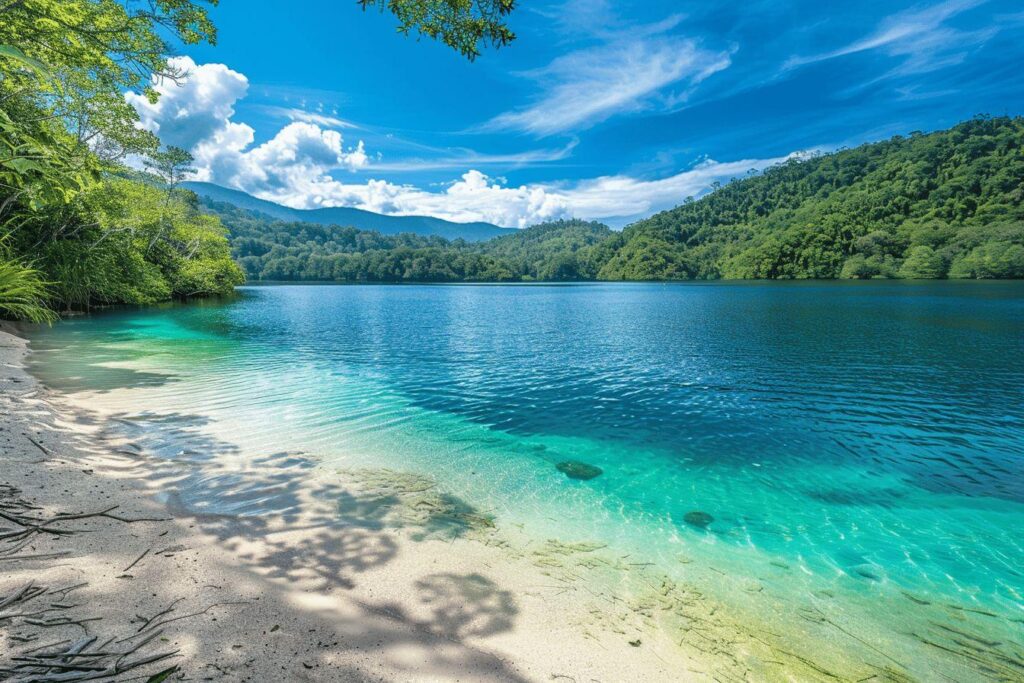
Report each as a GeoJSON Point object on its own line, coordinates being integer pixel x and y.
{"type": "Point", "coordinates": [23, 293]}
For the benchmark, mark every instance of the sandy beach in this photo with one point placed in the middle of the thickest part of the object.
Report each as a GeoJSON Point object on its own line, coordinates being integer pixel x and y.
{"type": "Point", "coordinates": [372, 593]}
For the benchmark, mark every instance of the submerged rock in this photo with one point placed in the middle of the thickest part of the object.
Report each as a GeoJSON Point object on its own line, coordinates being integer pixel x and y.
{"type": "Point", "coordinates": [699, 519]}
{"type": "Point", "coordinates": [867, 571]}
{"type": "Point", "coordinates": [578, 470]}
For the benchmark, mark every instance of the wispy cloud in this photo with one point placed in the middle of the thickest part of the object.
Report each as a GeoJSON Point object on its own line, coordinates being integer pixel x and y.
{"type": "Point", "coordinates": [303, 116]}
{"type": "Point", "coordinates": [462, 158]}
{"type": "Point", "coordinates": [921, 36]}
{"type": "Point", "coordinates": [627, 72]}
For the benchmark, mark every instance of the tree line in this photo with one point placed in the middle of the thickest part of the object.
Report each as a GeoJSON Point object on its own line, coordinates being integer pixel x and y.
{"type": "Point", "coordinates": [269, 249]}
{"type": "Point", "coordinates": [942, 205]}
{"type": "Point", "coordinates": [78, 227]}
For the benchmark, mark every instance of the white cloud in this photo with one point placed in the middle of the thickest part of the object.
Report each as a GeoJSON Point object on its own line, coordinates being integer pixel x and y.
{"type": "Point", "coordinates": [624, 74]}
{"type": "Point", "coordinates": [295, 166]}
{"type": "Point", "coordinates": [477, 197]}
{"type": "Point", "coordinates": [195, 110]}
{"type": "Point", "coordinates": [920, 36]}
{"type": "Point", "coordinates": [463, 158]}
{"type": "Point", "coordinates": [315, 117]}
{"type": "Point", "coordinates": [195, 114]}
{"type": "Point", "coordinates": [623, 196]}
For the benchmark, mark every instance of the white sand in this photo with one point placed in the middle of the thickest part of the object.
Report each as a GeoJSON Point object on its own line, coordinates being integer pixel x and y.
{"type": "Point", "coordinates": [303, 595]}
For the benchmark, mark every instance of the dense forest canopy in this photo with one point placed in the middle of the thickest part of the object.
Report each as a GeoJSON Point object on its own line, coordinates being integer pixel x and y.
{"type": "Point", "coordinates": [75, 231]}
{"type": "Point", "coordinates": [946, 204]}
{"type": "Point", "coordinates": [269, 249]}
{"type": "Point", "coordinates": [77, 228]}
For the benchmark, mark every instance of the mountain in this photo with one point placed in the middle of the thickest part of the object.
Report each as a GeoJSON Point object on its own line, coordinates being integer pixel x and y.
{"type": "Point", "coordinates": [344, 216]}
{"type": "Point", "coordinates": [269, 249]}
{"type": "Point", "coordinates": [943, 204]}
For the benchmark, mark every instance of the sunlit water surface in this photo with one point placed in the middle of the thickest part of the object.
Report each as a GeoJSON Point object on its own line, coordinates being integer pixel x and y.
{"type": "Point", "coordinates": [863, 441]}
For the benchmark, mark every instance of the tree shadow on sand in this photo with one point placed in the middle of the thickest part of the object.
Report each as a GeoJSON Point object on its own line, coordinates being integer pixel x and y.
{"type": "Point", "coordinates": [292, 535]}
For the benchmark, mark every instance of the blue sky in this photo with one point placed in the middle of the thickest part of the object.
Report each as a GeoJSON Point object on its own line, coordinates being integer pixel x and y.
{"type": "Point", "coordinates": [600, 110]}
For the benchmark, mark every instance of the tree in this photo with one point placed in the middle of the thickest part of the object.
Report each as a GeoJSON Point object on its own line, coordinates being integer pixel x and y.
{"type": "Point", "coordinates": [95, 50]}
{"type": "Point", "coordinates": [463, 25]}
{"type": "Point", "coordinates": [172, 165]}
{"type": "Point", "coordinates": [923, 263]}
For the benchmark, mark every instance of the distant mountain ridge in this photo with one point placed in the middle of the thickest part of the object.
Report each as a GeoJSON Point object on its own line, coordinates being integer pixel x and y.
{"type": "Point", "coordinates": [947, 204]}
{"type": "Point", "coordinates": [349, 217]}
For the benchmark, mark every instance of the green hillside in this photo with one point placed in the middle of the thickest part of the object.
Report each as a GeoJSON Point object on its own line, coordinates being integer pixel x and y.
{"type": "Point", "coordinates": [946, 204]}
{"type": "Point", "coordinates": [271, 249]}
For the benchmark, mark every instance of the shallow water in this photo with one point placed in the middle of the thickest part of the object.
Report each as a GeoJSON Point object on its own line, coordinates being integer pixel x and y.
{"type": "Point", "coordinates": [859, 441]}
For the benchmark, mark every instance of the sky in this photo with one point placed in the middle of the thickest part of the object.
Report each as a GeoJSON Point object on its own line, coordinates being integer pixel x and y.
{"type": "Point", "coordinates": [600, 110]}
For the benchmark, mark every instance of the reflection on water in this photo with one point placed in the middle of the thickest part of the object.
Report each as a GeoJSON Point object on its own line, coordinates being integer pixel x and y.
{"type": "Point", "coordinates": [849, 446]}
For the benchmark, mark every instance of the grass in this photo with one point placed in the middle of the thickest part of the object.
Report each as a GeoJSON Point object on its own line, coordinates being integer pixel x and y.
{"type": "Point", "coordinates": [23, 293]}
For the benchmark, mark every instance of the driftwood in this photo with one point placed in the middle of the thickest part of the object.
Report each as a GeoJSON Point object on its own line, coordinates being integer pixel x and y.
{"type": "Point", "coordinates": [27, 525]}
{"type": "Point", "coordinates": [30, 610]}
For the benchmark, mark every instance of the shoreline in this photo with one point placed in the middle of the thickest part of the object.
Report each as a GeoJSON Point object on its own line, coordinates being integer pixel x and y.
{"type": "Point", "coordinates": [304, 596]}
{"type": "Point", "coordinates": [371, 573]}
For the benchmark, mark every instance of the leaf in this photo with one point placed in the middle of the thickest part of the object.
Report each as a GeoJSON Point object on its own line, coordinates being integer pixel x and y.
{"type": "Point", "coordinates": [162, 676]}
{"type": "Point", "coordinates": [23, 166]}
{"type": "Point", "coordinates": [17, 55]}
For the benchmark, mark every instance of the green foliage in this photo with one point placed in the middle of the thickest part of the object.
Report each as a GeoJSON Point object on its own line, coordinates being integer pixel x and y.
{"type": "Point", "coordinates": [906, 207]}
{"type": "Point", "coordinates": [95, 50]}
{"type": "Point", "coordinates": [463, 25]}
{"type": "Point", "coordinates": [23, 293]}
{"type": "Point", "coordinates": [64, 122]}
{"type": "Point", "coordinates": [556, 251]}
{"type": "Point", "coordinates": [923, 263]}
{"type": "Point", "coordinates": [130, 242]}
{"type": "Point", "coordinates": [948, 204]}
{"type": "Point", "coordinates": [989, 261]}
{"type": "Point", "coordinates": [276, 250]}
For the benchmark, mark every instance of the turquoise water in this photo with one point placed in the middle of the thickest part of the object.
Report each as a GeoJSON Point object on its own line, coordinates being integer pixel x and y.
{"type": "Point", "coordinates": [863, 441]}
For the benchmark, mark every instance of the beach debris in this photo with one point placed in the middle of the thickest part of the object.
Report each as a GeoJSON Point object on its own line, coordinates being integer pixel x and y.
{"type": "Point", "coordinates": [698, 519]}
{"type": "Point", "coordinates": [916, 600]}
{"type": "Point", "coordinates": [635, 643]}
{"type": "Point", "coordinates": [163, 675]}
{"type": "Point", "coordinates": [575, 469]}
{"type": "Point", "coordinates": [85, 659]}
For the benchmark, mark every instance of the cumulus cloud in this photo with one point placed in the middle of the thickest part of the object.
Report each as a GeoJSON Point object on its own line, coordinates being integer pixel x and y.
{"type": "Point", "coordinates": [476, 196]}
{"type": "Point", "coordinates": [196, 110]}
{"type": "Point", "coordinates": [295, 166]}
{"type": "Point", "coordinates": [196, 114]}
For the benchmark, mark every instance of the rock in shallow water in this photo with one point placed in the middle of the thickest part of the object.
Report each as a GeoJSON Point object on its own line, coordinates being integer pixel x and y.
{"type": "Point", "coordinates": [578, 470]}
{"type": "Point", "coordinates": [699, 519]}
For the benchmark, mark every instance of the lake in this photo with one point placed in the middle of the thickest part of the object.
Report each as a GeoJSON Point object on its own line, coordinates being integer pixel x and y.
{"type": "Point", "coordinates": [852, 448]}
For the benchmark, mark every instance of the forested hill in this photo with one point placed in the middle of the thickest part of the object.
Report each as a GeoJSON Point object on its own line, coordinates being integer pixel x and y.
{"type": "Point", "coordinates": [356, 218]}
{"type": "Point", "coordinates": [946, 204]}
{"type": "Point", "coordinates": [269, 249]}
